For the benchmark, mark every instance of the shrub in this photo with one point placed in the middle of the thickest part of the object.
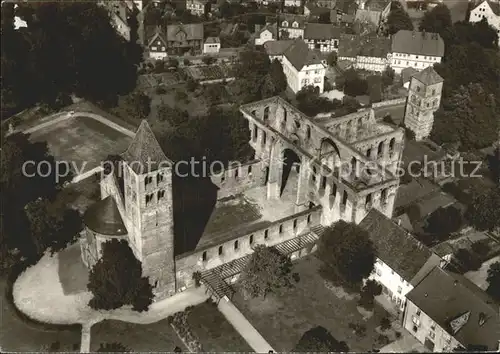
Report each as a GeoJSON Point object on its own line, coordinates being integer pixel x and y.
{"type": "Point", "coordinates": [398, 334]}
{"type": "Point", "coordinates": [388, 119]}
{"type": "Point", "coordinates": [383, 340]}
{"type": "Point", "coordinates": [481, 247]}
{"type": "Point", "coordinates": [385, 324]}
{"type": "Point", "coordinates": [187, 62]}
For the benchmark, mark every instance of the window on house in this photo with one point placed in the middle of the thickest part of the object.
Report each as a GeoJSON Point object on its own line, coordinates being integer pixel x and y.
{"type": "Point", "coordinates": [222, 177]}
{"type": "Point", "coordinates": [418, 313]}
{"type": "Point", "coordinates": [266, 234]}
{"type": "Point", "coordinates": [295, 224]}
{"type": "Point", "coordinates": [153, 48]}
{"type": "Point", "coordinates": [161, 194]}
{"type": "Point", "coordinates": [251, 239]}
{"type": "Point", "coordinates": [220, 250]}
{"type": "Point", "coordinates": [159, 177]}
{"type": "Point", "coordinates": [204, 256]}
{"type": "Point", "coordinates": [250, 169]}
{"type": "Point", "coordinates": [308, 132]}
{"type": "Point", "coordinates": [415, 328]}
{"type": "Point", "coordinates": [149, 198]}
{"type": "Point", "coordinates": [323, 182]}
{"type": "Point", "coordinates": [432, 335]}
{"type": "Point", "coordinates": [281, 229]}
{"type": "Point", "coordinates": [379, 272]}
{"type": "Point", "coordinates": [368, 200]}
{"type": "Point", "coordinates": [309, 219]}
{"type": "Point", "coordinates": [400, 290]}
{"type": "Point", "coordinates": [236, 173]}
{"type": "Point", "coordinates": [236, 245]}
{"type": "Point", "coordinates": [264, 138]}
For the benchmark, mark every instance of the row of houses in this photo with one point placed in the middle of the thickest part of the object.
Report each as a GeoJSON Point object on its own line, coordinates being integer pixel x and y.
{"type": "Point", "coordinates": [440, 308]}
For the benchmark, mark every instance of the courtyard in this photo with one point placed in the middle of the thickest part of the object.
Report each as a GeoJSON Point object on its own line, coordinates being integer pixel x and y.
{"type": "Point", "coordinates": [283, 318]}
{"type": "Point", "coordinates": [82, 141]}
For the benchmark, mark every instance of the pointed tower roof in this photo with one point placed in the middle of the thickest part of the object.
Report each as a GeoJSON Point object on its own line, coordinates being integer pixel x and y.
{"type": "Point", "coordinates": [104, 218]}
{"type": "Point", "coordinates": [144, 154]}
{"type": "Point", "coordinates": [428, 76]}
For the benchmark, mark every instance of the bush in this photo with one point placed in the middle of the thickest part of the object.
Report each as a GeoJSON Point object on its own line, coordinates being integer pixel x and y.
{"type": "Point", "coordinates": [207, 60]}
{"type": "Point", "coordinates": [467, 260]}
{"type": "Point", "coordinates": [385, 324]}
{"type": "Point", "coordinates": [398, 334]}
{"type": "Point", "coordinates": [388, 119]}
{"type": "Point", "coordinates": [481, 247]}
{"type": "Point", "coordinates": [187, 62]}
{"type": "Point", "coordinates": [383, 340]}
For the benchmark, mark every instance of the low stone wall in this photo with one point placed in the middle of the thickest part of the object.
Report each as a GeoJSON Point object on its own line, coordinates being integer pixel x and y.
{"type": "Point", "coordinates": [394, 102]}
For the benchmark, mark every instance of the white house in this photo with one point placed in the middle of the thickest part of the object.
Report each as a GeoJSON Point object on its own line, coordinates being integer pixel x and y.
{"type": "Point", "coordinates": [211, 45]}
{"type": "Point", "coordinates": [418, 50]}
{"type": "Point", "coordinates": [267, 33]}
{"type": "Point", "coordinates": [292, 24]}
{"type": "Point", "coordinates": [488, 10]}
{"type": "Point", "coordinates": [293, 3]}
{"type": "Point", "coordinates": [198, 7]}
{"type": "Point", "coordinates": [301, 66]}
{"type": "Point", "coordinates": [370, 53]}
{"type": "Point", "coordinates": [401, 260]}
{"type": "Point", "coordinates": [324, 37]}
{"type": "Point", "coordinates": [119, 12]}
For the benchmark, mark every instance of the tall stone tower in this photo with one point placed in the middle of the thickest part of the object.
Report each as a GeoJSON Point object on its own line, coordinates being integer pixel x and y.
{"type": "Point", "coordinates": [147, 174]}
{"type": "Point", "coordinates": [424, 97]}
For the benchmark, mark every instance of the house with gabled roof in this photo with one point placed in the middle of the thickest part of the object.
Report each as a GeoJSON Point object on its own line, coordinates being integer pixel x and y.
{"type": "Point", "coordinates": [301, 66]}
{"type": "Point", "coordinates": [293, 25]}
{"type": "Point", "coordinates": [445, 311]}
{"type": "Point", "coordinates": [370, 53]}
{"type": "Point", "coordinates": [488, 10]}
{"type": "Point", "coordinates": [265, 34]}
{"type": "Point", "coordinates": [157, 44]}
{"type": "Point", "coordinates": [324, 37]}
{"type": "Point", "coordinates": [401, 260]}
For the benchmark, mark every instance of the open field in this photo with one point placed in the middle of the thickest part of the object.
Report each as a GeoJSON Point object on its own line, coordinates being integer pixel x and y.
{"type": "Point", "coordinates": [283, 318]}
{"type": "Point", "coordinates": [82, 141]}
{"type": "Point", "coordinates": [19, 336]}
{"type": "Point", "coordinates": [214, 332]}
{"type": "Point", "coordinates": [154, 337]}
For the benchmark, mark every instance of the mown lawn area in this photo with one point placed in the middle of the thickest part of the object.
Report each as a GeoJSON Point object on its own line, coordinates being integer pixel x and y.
{"type": "Point", "coordinates": [19, 336]}
{"type": "Point", "coordinates": [154, 337]}
{"type": "Point", "coordinates": [214, 332]}
{"type": "Point", "coordinates": [283, 318]}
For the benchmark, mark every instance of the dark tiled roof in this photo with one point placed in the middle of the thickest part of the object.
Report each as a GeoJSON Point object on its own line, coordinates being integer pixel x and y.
{"type": "Point", "coordinates": [407, 73]}
{"type": "Point", "coordinates": [495, 6]}
{"type": "Point", "coordinates": [299, 55]}
{"type": "Point", "coordinates": [212, 40]}
{"type": "Point", "coordinates": [144, 153]}
{"type": "Point", "coordinates": [317, 10]}
{"type": "Point", "coordinates": [270, 28]}
{"type": "Point", "coordinates": [428, 76]}
{"type": "Point", "coordinates": [351, 46]}
{"type": "Point", "coordinates": [445, 296]}
{"type": "Point", "coordinates": [277, 47]}
{"type": "Point", "coordinates": [192, 31]}
{"type": "Point", "coordinates": [104, 218]}
{"type": "Point", "coordinates": [346, 6]}
{"type": "Point", "coordinates": [421, 43]}
{"type": "Point", "coordinates": [395, 246]}
{"type": "Point", "coordinates": [291, 18]}
{"type": "Point", "coordinates": [377, 5]}
{"type": "Point", "coordinates": [321, 31]}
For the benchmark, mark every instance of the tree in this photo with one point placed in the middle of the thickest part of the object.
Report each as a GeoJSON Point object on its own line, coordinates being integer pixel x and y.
{"type": "Point", "coordinates": [470, 117]}
{"type": "Point", "coordinates": [367, 296]}
{"type": "Point", "coordinates": [444, 221]}
{"type": "Point", "coordinates": [267, 272]}
{"type": "Point", "coordinates": [138, 105]}
{"type": "Point", "coordinates": [398, 19]}
{"type": "Point", "coordinates": [278, 77]}
{"type": "Point", "coordinates": [251, 71]}
{"type": "Point", "coordinates": [208, 60]}
{"type": "Point", "coordinates": [113, 347]}
{"type": "Point", "coordinates": [436, 20]}
{"type": "Point", "coordinates": [388, 77]}
{"type": "Point", "coordinates": [354, 85]}
{"type": "Point", "coordinates": [347, 253]}
{"type": "Point", "coordinates": [311, 103]}
{"type": "Point", "coordinates": [318, 339]}
{"type": "Point", "coordinates": [385, 324]}
{"type": "Point", "coordinates": [324, 17]}
{"type": "Point", "coordinates": [111, 286]}
{"type": "Point", "coordinates": [494, 281]}
{"type": "Point", "coordinates": [174, 116]}
{"type": "Point", "coordinates": [484, 211]}
{"type": "Point", "coordinates": [332, 59]}
{"type": "Point", "coordinates": [467, 260]}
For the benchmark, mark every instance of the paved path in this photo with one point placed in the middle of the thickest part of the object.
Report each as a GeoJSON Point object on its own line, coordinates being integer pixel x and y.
{"type": "Point", "coordinates": [85, 342]}
{"type": "Point", "coordinates": [244, 328]}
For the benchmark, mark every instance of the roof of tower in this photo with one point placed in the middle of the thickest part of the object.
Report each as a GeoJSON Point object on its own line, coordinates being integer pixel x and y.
{"type": "Point", "coordinates": [144, 154]}
{"type": "Point", "coordinates": [428, 76]}
{"type": "Point", "coordinates": [104, 218]}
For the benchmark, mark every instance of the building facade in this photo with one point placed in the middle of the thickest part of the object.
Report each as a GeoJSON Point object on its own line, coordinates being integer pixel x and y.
{"type": "Point", "coordinates": [418, 50]}
{"type": "Point", "coordinates": [424, 98]}
{"type": "Point", "coordinates": [322, 37]}
{"type": "Point", "coordinates": [292, 25]}
{"type": "Point", "coordinates": [370, 53]}
{"type": "Point", "coordinates": [266, 34]}
{"type": "Point", "coordinates": [488, 10]}
{"type": "Point", "coordinates": [211, 45]}
{"type": "Point", "coordinates": [198, 7]}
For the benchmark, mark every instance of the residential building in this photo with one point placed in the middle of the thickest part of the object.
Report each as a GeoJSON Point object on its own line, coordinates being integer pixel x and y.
{"type": "Point", "coordinates": [323, 37]}
{"type": "Point", "coordinates": [175, 40]}
{"type": "Point", "coordinates": [313, 11]}
{"type": "Point", "coordinates": [418, 50]}
{"type": "Point", "coordinates": [211, 45]}
{"type": "Point", "coordinates": [424, 97]}
{"type": "Point", "coordinates": [119, 13]}
{"type": "Point", "coordinates": [488, 10]}
{"type": "Point", "coordinates": [373, 11]}
{"type": "Point", "coordinates": [301, 66]}
{"type": "Point", "coordinates": [401, 260]}
{"type": "Point", "coordinates": [265, 34]}
{"type": "Point", "coordinates": [198, 7]}
{"type": "Point", "coordinates": [293, 3]}
{"type": "Point", "coordinates": [446, 311]}
{"type": "Point", "coordinates": [370, 53]}
{"type": "Point", "coordinates": [291, 26]}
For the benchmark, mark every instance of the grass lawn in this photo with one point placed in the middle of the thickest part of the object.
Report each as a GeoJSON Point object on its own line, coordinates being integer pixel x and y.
{"type": "Point", "coordinates": [154, 337]}
{"type": "Point", "coordinates": [18, 336]}
{"type": "Point", "coordinates": [83, 142]}
{"type": "Point", "coordinates": [214, 332]}
{"type": "Point", "coordinates": [284, 318]}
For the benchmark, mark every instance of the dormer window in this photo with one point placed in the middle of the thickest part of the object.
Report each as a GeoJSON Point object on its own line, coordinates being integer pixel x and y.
{"type": "Point", "coordinates": [295, 24]}
{"type": "Point", "coordinates": [284, 24]}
